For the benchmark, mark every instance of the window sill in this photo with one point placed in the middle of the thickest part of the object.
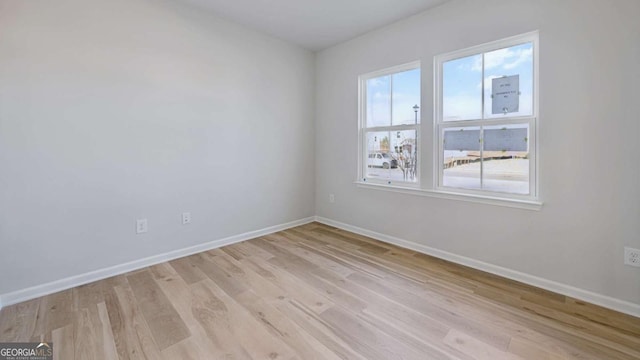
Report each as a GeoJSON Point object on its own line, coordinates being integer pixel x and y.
{"type": "Point", "coordinates": [488, 200]}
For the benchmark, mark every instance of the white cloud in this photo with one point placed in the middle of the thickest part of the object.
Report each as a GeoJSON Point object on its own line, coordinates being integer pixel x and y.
{"type": "Point", "coordinates": [497, 58]}
{"type": "Point", "coordinates": [381, 97]}
{"type": "Point", "coordinates": [487, 82]}
{"type": "Point", "coordinates": [461, 107]}
{"type": "Point", "coordinates": [377, 81]}
{"type": "Point", "coordinates": [477, 64]}
{"type": "Point", "coordinates": [522, 56]}
{"type": "Point", "coordinates": [505, 58]}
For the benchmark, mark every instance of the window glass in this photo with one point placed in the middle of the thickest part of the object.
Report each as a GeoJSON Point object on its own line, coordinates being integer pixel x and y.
{"type": "Point", "coordinates": [515, 66]}
{"type": "Point", "coordinates": [491, 96]}
{"type": "Point", "coordinates": [405, 95]}
{"type": "Point", "coordinates": [404, 149]}
{"type": "Point", "coordinates": [506, 158]}
{"type": "Point", "coordinates": [461, 157]}
{"type": "Point", "coordinates": [379, 163]}
{"type": "Point", "coordinates": [379, 101]}
{"type": "Point", "coordinates": [391, 104]}
{"type": "Point", "coordinates": [462, 88]}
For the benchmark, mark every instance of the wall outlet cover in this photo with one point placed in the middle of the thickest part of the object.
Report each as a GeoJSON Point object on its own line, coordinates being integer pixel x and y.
{"type": "Point", "coordinates": [631, 256]}
{"type": "Point", "coordinates": [186, 218]}
{"type": "Point", "coordinates": [141, 226]}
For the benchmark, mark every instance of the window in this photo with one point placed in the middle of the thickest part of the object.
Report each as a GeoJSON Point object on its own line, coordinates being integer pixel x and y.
{"type": "Point", "coordinates": [389, 125]}
{"type": "Point", "coordinates": [483, 147]}
{"type": "Point", "coordinates": [485, 122]}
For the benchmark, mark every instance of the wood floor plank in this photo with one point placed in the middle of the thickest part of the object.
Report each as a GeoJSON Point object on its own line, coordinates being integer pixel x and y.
{"type": "Point", "coordinates": [117, 323]}
{"type": "Point", "coordinates": [603, 316]}
{"type": "Point", "coordinates": [471, 346]}
{"type": "Point", "coordinates": [255, 282]}
{"type": "Point", "coordinates": [187, 349]}
{"type": "Point", "coordinates": [215, 273]}
{"type": "Point", "coordinates": [188, 270]}
{"type": "Point", "coordinates": [529, 350]}
{"type": "Point", "coordinates": [108, 341]}
{"type": "Point", "coordinates": [59, 310]}
{"type": "Point", "coordinates": [371, 247]}
{"type": "Point", "coordinates": [233, 316]}
{"type": "Point", "coordinates": [324, 284]}
{"type": "Point", "coordinates": [41, 326]}
{"type": "Point", "coordinates": [133, 333]}
{"type": "Point", "coordinates": [209, 338]}
{"type": "Point", "coordinates": [316, 258]}
{"type": "Point", "coordinates": [18, 322]}
{"type": "Point", "coordinates": [449, 316]}
{"type": "Point", "coordinates": [311, 297]}
{"type": "Point", "coordinates": [249, 250]}
{"type": "Point", "coordinates": [261, 307]}
{"type": "Point", "coordinates": [480, 319]}
{"type": "Point", "coordinates": [337, 249]}
{"type": "Point", "coordinates": [164, 321]}
{"type": "Point", "coordinates": [366, 339]}
{"type": "Point", "coordinates": [64, 343]}
{"type": "Point", "coordinates": [88, 335]}
{"type": "Point", "coordinates": [318, 292]}
{"type": "Point", "coordinates": [88, 295]}
{"type": "Point", "coordinates": [234, 252]}
{"type": "Point", "coordinates": [280, 326]}
{"type": "Point", "coordinates": [311, 322]}
{"type": "Point", "coordinates": [407, 322]}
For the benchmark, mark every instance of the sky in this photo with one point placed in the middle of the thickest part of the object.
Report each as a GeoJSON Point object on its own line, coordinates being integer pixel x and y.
{"type": "Point", "coordinates": [405, 87]}
{"type": "Point", "coordinates": [396, 94]}
{"type": "Point", "coordinates": [463, 84]}
{"type": "Point", "coordinates": [390, 99]}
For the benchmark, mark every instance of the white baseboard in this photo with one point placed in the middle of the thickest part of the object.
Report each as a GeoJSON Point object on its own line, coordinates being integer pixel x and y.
{"type": "Point", "coordinates": [584, 295]}
{"type": "Point", "coordinates": [77, 280]}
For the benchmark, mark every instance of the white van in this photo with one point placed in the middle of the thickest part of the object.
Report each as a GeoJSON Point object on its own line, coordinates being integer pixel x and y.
{"type": "Point", "coordinates": [383, 160]}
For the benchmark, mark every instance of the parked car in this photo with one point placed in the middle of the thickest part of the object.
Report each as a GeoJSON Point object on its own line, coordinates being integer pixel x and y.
{"type": "Point", "coordinates": [382, 159]}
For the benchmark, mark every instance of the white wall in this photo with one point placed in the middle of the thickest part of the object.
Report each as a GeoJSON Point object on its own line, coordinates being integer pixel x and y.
{"type": "Point", "coordinates": [123, 109]}
{"type": "Point", "coordinates": [589, 147]}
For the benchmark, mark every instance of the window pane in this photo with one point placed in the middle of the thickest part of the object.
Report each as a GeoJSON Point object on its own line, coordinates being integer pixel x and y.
{"type": "Point", "coordinates": [462, 89]}
{"type": "Point", "coordinates": [379, 101]}
{"type": "Point", "coordinates": [404, 150]}
{"type": "Point", "coordinates": [461, 157]}
{"type": "Point", "coordinates": [406, 95]}
{"type": "Point", "coordinates": [506, 158]}
{"type": "Point", "coordinates": [379, 161]}
{"type": "Point", "coordinates": [510, 68]}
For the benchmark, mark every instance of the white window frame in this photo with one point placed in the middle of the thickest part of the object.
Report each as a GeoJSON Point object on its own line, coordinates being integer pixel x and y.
{"type": "Point", "coordinates": [363, 129]}
{"type": "Point", "coordinates": [532, 120]}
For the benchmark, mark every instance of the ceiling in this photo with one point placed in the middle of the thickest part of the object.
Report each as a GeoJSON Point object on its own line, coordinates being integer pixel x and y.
{"type": "Point", "coordinates": [315, 24]}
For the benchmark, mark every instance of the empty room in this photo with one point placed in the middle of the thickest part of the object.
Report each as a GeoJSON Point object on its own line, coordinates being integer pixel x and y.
{"type": "Point", "coordinates": [304, 179]}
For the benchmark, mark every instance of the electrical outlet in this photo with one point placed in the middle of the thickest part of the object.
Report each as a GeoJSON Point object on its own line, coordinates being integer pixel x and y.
{"type": "Point", "coordinates": [631, 257]}
{"type": "Point", "coordinates": [186, 218]}
{"type": "Point", "coordinates": [141, 226]}
{"type": "Point", "coordinates": [332, 198]}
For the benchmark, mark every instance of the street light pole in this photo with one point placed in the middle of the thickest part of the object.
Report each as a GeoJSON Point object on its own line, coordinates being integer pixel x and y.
{"type": "Point", "coordinates": [413, 151]}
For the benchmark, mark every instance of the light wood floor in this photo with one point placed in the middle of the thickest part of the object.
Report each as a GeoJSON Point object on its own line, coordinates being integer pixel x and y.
{"type": "Point", "coordinates": [316, 292]}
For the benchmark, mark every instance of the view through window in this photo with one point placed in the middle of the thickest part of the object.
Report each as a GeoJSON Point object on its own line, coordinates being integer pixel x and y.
{"type": "Point", "coordinates": [486, 118]}
{"type": "Point", "coordinates": [390, 125]}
